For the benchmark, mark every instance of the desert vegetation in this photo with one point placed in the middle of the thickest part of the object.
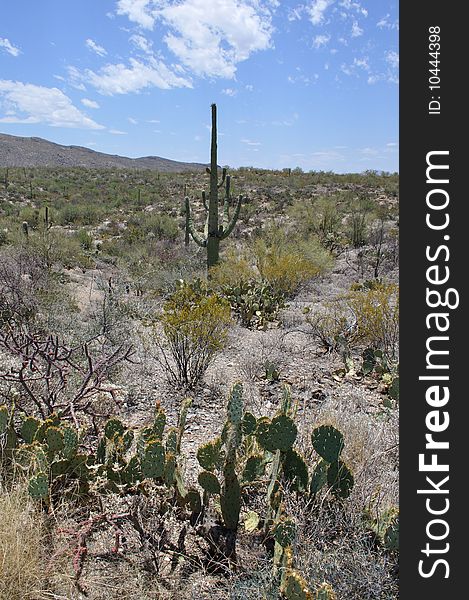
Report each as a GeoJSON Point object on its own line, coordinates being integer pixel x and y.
{"type": "Point", "coordinates": [185, 418]}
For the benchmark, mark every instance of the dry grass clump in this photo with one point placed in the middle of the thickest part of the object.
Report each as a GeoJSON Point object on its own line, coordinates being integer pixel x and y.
{"type": "Point", "coordinates": [22, 556]}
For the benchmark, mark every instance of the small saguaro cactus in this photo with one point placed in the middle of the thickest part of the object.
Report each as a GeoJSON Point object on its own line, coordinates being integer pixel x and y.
{"type": "Point", "coordinates": [214, 232]}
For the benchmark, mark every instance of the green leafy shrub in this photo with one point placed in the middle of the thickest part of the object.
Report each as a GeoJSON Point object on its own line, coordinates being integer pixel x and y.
{"type": "Point", "coordinates": [195, 324]}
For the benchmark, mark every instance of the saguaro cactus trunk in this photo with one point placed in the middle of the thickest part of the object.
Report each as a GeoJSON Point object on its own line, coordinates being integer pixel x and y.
{"type": "Point", "coordinates": [214, 232]}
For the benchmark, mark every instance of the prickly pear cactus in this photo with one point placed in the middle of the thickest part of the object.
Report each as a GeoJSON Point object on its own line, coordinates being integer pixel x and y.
{"type": "Point", "coordinates": [328, 442]}
{"type": "Point", "coordinates": [209, 455]}
{"type": "Point", "coordinates": [284, 532]}
{"type": "Point", "coordinates": [153, 460]}
{"type": "Point", "coordinates": [279, 435]}
{"type": "Point", "coordinates": [113, 426]}
{"type": "Point", "coordinates": [319, 477]}
{"type": "Point", "coordinates": [295, 587]}
{"type": "Point", "coordinates": [159, 423]}
{"type": "Point", "coordinates": [39, 487]}
{"type": "Point", "coordinates": [340, 479]}
{"type": "Point", "coordinates": [54, 440]}
{"type": "Point", "coordinates": [254, 468]}
{"type": "Point", "coordinates": [295, 471]}
{"type": "Point", "coordinates": [248, 424]}
{"type": "Point", "coordinates": [209, 482]}
{"type": "Point", "coordinates": [28, 429]}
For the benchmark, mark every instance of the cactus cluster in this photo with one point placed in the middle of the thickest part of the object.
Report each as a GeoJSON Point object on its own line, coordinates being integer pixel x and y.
{"type": "Point", "coordinates": [214, 232]}
{"type": "Point", "coordinates": [329, 443]}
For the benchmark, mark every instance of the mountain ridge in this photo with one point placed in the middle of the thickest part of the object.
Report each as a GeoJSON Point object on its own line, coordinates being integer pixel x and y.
{"type": "Point", "coordinates": [16, 151]}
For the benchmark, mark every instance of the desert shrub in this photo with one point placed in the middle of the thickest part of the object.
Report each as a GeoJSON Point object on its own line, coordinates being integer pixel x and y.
{"type": "Point", "coordinates": [87, 213]}
{"type": "Point", "coordinates": [157, 225]}
{"type": "Point", "coordinates": [377, 317]}
{"type": "Point", "coordinates": [195, 325]}
{"type": "Point", "coordinates": [84, 239]}
{"type": "Point", "coordinates": [333, 326]}
{"type": "Point", "coordinates": [286, 261]}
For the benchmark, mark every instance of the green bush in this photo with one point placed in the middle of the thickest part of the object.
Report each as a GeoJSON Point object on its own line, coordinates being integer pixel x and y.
{"type": "Point", "coordinates": [195, 324]}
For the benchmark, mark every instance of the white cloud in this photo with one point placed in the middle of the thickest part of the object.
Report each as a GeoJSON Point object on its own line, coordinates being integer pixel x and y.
{"type": "Point", "coordinates": [96, 48]}
{"type": "Point", "coordinates": [132, 120]}
{"type": "Point", "coordinates": [357, 31]}
{"type": "Point", "coordinates": [28, 103]}
{"type": "Point", "coordinates": [385, 23]}
{"type": "Point", "coordinates": [321, 40]}
{"type": "Point", "coordinates": [142, 43]}
{"type": "Point", "coordinates": [89, 103]}
{"type": "Point", "coordinates": [209, 37]}
{"type": "Point", "coordinates": [9, 47]}
{"type": "Point", "coordinates": [350, 5]}
{"type": "Point", "coordinates": [138, 11]}
{"type": "Point", "coordinates": [117, 132]}
{"type": "Point", "coordinates": [250, 143]}
{"type": "Point", "coordinates": [123, 79]}
{"type": "Point", "coordinates": [361, 63]}
{"type": "Point", "coordinates": [392, 58]}
{"type": "Point", "coordinates": [316, 10]}
{"type": "Point", "coordinates": [229, 92]}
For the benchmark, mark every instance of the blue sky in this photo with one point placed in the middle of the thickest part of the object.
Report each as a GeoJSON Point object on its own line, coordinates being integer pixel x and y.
{"type": "Point", "coordinates": [311, 84]}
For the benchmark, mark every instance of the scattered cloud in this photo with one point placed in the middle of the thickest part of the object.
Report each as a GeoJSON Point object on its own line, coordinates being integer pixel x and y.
{"type": "Point", "coordinates": [117, 132]}
{"type": "Point", "coordinates": [89, 103]}
{"type": "Point", "coordinates": [142, 43]}
{"type": "Point", "coordinates": [385, 23]}
{"type": "Point", "coordinates": [7, 46]}
{"type": "Point", "coordinates": [28, 103]}
{"type": "Point", "coordinates": [94, 47]}
{"type": "Point", "coordinates": [132, 120]}
{"type": "Point", "coordinates": [317, 9]}
{"type": "Point", "coordinates": [353, 6]}
{"type": "Point", "coordinates": [229, 92]}
{"type": "Point", "coordinates": [392, 58]}
{"type": "Point", "coordinates": [251, 143]}
{"type": "Point", "coordinates": [321, 40]}
{"type": "Point", "coordinates": [357, 31]}
{"type": "Point", "coordinates": [123, 79]}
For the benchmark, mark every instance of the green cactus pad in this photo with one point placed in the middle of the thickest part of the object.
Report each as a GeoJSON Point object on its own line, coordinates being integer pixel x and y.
{"type": "Point", "coordinates": [28, 429]}
{"type": "Point", "coordinates": [295, 471]}
{"type": "Point", "coordinates": [280, 435]}
{"type": "Point", "coordinates": [284, 532]}
{"type": "Point", "coordinates": [340, 479]}
{"type": "Point", "coordinates": [230, 500]}
{"type": "Point", "coordinates": [38, 487]}
{"type": "Point", "coordinates": [369, 361]}
{"type": "Point", "coordinates": [172, 440]}
{"type": "Point", "coordinates": [170, 469]}
{"type": "Point", "coordinates": [4, 418]}
{"type": "Point", "coordinates": [127, 440]}
{"type": "Point", "coordinates": [132, 472]}
{"type": "Point", "coordinates": [296, 588]}
{"type": "Point", "coordinates": [59, 467]}
{"type": "Point", "coordinates": [209, 455]}
{"type": "Point", "coordinates": [319, 477]}
{"type": "Point", "coordinates": [70, 438]}
{"type": "Point", "coordinates": [249, 424]}
{"type": "Point", "coordinates": [41, 431]}
{"type": "Point", "coordinates": [54, 439]}
{"type": "Point", "coordinates": [254, 468]}
{"type": "Point", "coordinates": [153, 461]}
{"type": "Point", "coordinates": [113, 426]}
{"type": "Point", "coordinates": [393, 389]}
{"type": "Point", "coordinates": [159, 423]}
{"type": "Point", "coordinates": [328, 442]}
{"type": "Point", "coordinates": [235, 404]}
{"type": "Point", "coordinates": [209, 482]}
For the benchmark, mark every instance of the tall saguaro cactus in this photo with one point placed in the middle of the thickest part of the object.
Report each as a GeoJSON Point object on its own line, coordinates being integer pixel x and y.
{"type": "Point", "coordinates": [214, 232]}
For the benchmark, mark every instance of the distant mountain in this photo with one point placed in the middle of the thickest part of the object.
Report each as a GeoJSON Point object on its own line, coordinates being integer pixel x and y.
{"type": "Point", "coordinates": [36, 152]}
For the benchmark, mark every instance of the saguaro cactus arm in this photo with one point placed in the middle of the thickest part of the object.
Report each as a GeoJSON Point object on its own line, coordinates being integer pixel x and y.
{"type": "Point", "coordinates": [198, 239]}
{"type": "Point", "coordinates": [226, 231]}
